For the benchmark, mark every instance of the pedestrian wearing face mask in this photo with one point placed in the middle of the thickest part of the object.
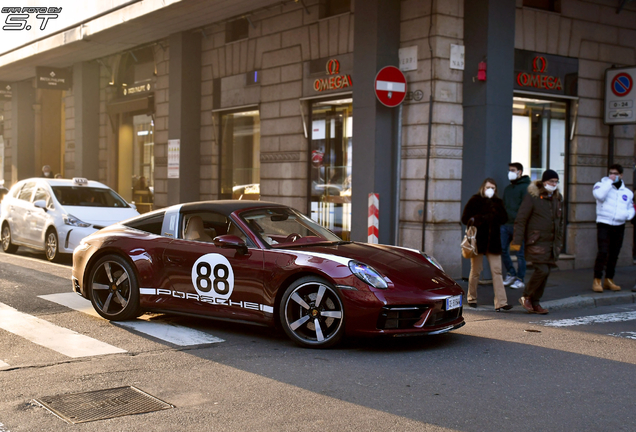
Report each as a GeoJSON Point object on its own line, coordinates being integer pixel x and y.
{"type": "Point", "coordinates": [512, 197]}
{"type": "Point", "coordinates": [614, 206]}
{"type": "Point", "coordinates": [485, 210]}
{"type": "Point", "coordinates": [540, 224]}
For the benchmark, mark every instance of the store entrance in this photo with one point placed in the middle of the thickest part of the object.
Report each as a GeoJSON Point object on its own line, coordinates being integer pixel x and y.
{"type": "Point", "coordinates": [136, 161]}
{"type": "Point", "coordinates": [331, 154]}
{"type": "Point", "coordinates": [539, 136]}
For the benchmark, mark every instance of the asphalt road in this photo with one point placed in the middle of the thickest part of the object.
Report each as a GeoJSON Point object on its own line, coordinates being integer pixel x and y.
{"type": "Point", "coordinates": [504, 372]}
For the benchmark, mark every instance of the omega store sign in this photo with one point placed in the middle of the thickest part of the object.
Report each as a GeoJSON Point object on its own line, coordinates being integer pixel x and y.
{"type": "Point", "coordinates": [328, 75]}
{"type": "Point", "coordinates": [546, 73]}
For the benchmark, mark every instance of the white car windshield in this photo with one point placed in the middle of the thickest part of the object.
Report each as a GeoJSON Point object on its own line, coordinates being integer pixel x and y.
{"type": "Point", "coordinates": [83, 196]}
{"type": "Point", "coordinates": [284, 227]}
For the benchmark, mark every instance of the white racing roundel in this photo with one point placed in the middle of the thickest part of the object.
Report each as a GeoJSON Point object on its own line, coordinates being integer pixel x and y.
{"type": "Point", "coordinates": [212, 276]}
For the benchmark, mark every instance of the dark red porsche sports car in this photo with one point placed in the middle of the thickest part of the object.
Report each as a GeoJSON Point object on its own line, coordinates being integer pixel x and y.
{"type": "Point", "coordinates": [263, 263]}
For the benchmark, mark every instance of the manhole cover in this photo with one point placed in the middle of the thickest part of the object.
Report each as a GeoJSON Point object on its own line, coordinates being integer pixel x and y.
{"type": "Point", "coordinates": [102, 404]}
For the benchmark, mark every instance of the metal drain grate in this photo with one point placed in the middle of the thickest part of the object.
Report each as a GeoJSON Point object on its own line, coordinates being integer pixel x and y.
{"type": "Point", "coordinates": [102, 404]}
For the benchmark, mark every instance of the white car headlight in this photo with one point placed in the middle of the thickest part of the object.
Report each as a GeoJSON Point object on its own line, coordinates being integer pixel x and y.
{"type": "Point", "coordinates": [73, 221]}
{"type": "Point", "coordinates": [433, 261]}
{"type": "Point", "coordinates": [368, 274]}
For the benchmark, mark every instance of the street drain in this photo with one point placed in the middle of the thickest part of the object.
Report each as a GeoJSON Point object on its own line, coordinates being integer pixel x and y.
{"type": "Point", "coordinates": [102, 404]}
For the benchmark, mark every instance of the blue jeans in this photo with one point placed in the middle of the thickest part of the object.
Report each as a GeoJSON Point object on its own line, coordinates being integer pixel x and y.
{"type": "Point", "coordinates": [506, 238]}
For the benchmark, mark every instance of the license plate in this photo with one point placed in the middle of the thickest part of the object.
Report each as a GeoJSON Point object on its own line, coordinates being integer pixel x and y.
{"type": "Point", "coordinates": [453, 302]}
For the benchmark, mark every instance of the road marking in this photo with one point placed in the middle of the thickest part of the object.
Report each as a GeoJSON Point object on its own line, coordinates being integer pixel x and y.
{"type": "Point", "coordinates": [3, 365]}
{"type": "Point", "coordinates": [3, 428]}
{"type": "Point", "coordinates": [46, 334]}
{"type": "Point", "coordinates": [592, 319]}
{"type": "Point", "coordinates": [175, 334]}
{"type": "Point", "coordinates": [41, 261]}
{"type": "Point", "coordinates": [626, 334]}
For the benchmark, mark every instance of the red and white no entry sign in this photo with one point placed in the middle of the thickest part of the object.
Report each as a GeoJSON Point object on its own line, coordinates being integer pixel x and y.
{"type": "Point", "coordinates": [390, 86]}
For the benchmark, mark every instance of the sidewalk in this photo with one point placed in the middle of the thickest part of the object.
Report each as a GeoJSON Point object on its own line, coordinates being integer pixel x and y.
{"type": "Point", "coordinates": [566, 289]}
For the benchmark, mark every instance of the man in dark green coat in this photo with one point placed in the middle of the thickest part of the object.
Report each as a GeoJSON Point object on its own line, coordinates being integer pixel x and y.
{"type": "Point", "coordinates": [540, 224]}
{"type": "Point", "coordinates": [512, 197]}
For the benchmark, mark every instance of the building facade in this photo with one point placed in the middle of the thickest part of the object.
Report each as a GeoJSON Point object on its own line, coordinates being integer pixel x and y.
{"type": "Point", "coordinates": [170, 102]}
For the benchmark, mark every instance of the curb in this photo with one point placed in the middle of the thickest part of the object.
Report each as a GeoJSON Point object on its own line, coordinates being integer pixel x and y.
{"type": "Point", "coordinates": [591, 300]}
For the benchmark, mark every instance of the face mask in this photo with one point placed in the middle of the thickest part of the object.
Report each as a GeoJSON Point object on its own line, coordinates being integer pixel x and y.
{"type": "Point", "coordinates": [512, 176]}
{"type": "Point", "coordinates": [489, 193]}
{"type": "Point", "coordinates": [617, 179]}
{"type": "Point", "coordinates": [549, 187]}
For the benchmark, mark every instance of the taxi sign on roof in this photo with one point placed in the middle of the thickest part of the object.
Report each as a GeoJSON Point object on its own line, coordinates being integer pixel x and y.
{"type": "Point", "coordinates": [620, 96]}
{"type": "Point", "coordinates": [80, 181]}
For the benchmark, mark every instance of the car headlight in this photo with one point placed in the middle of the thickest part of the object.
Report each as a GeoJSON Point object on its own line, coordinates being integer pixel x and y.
{"type": "Point", "coordinates": [73, 221]}
{"type": "Point", "coordinates": [433, 261]}
{"type": "Point", "coordinates": [368, 274]}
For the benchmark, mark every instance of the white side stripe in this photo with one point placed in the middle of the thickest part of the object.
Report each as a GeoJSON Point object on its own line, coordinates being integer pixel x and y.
{"type": "Point", "coordinates": [60, 339]}
{"type": "Point", "coordinates": [593, 319]}
{"type": "Point", "coordinates": [391, 86]}
{"type": "Point", "coordinates": [175, 334]}
{"type": "Point", "coordinates": [148, 291]}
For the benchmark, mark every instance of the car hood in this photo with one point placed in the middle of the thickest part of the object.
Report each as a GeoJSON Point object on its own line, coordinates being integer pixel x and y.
{"type": "Point", "coordinates": [403, 267]}
{"type": "Point", "coordinates": [101, 215]}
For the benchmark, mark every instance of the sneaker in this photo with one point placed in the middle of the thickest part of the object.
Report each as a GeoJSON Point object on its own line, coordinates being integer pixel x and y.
{"type": "Point", "coordinates": [525, 302]}
{"type": "Point", "coordinates": [518, 284]}
{"type": "Point", "coordinates": [538, 309]}
{"type": "Point", "coordinates": [509, 279]}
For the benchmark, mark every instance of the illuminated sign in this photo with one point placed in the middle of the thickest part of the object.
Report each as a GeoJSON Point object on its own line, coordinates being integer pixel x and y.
{"type": "Point", "coordinates": [545, 73]}
{"type": "Point", "coordinates": [334, 81]}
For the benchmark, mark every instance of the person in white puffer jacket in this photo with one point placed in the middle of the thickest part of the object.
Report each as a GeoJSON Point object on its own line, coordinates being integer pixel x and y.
{"type": "Point", "coordinates": [614, 207]}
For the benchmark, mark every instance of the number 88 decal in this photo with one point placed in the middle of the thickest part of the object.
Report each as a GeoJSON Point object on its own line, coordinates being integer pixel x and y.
{"type": "Point", "coordinates": [212, 276]}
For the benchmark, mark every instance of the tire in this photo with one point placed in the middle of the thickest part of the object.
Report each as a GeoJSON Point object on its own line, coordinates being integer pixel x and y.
{"type": "Point", "coordinates": [52, 246]}
{"type": "Point", "coordinates": [113, 289]}
{"type": "Point", "coordinates": [7, 246]}
{"type": "Point", "coordinates": [312, 314]}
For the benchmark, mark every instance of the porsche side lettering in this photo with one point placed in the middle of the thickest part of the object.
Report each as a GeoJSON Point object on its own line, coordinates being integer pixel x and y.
{"type": "Point", "coordinates": [206, 299]}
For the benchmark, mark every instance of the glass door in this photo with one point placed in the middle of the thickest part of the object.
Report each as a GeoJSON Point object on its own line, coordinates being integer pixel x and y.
{"type": "Point", "coordinates": [143, 162]}
{"type": "Point", "coordinates": [330, 176]}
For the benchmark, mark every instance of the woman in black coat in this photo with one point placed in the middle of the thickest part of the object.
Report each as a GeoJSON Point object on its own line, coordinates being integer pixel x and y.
{"type": "Point", "coordinates": [486, 211]}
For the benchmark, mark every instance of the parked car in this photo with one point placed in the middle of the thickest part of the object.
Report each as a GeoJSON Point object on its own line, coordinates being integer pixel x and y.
{"type": "Point", "coordinates": [54, 215]}
{"type": "Point", "coordinates": [263, 263]}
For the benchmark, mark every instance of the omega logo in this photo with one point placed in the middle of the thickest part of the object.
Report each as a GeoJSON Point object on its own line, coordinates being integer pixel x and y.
{"type": "Point", "coordinates": [539, 64]}
{"type": "Point", "coordinates": [334, 81]}
{"type": "Point", "coordinates": [333, 67]}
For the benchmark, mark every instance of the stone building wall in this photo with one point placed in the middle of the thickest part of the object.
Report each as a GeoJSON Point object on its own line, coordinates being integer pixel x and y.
{"type": "Point", "coordinates": [592, 32]}
{"type": "Point", "coordinates": [443, 231]}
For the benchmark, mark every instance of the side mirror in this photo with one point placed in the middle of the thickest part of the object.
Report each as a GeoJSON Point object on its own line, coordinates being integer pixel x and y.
{"type": "Point", "coordinates": [40, 204]}
{"type": "Point", "coordinates": [229, 241]}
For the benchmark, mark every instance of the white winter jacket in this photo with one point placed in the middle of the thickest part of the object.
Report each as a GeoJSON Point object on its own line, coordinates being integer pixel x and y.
{"type": "Point", "coordinates": [613, 206]}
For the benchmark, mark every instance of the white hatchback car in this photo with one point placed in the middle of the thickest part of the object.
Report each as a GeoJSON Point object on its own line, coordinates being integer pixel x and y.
{"type": "Point", "coordinates": [54, 215]}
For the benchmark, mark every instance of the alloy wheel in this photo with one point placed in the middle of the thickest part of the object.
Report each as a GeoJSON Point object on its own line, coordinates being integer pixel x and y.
{"type": "Point", "coordinates": [51, 246]}
{"type": "Point", "coordinates": [111, 288]}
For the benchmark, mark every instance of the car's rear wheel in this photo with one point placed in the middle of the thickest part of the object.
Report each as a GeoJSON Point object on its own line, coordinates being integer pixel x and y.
{"type": "Point", "coordinates": [312, 314]}
{"type": "Point", "coordinates": [51, 246]}
{"type": "Point", "coordinates": [113, 288]}
{"type": "Point", "coordinates": [7, 246]}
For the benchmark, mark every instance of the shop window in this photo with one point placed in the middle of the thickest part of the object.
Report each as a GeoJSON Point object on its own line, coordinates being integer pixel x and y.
{"type": "Point", "coordinates": [331, 161]}
{"type": "Point", "coordinates": [549, 5]}
{"type": "Point", "coordinates": [236, 30]}
{"type": "Point", "coordinates": [240, 156]}
{"type": "Point", "coordinates": [329, 8]}
{"type": "Point", "coordinates": [143, 162]}
{"type": "Point", "coordinates": [539, 136]}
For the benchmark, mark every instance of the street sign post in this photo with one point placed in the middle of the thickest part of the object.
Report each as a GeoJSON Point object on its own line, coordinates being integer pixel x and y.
{"type": "Point", "coordinates": [620, 96]}
{"type": "Point", "coordinates": [390, 86]}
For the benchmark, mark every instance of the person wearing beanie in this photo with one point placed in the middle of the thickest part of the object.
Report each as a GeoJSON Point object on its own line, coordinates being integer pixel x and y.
{"type": "Point", "coordinates": [614, 207]}
{"type": "Point", "coordinates": [540, 223]}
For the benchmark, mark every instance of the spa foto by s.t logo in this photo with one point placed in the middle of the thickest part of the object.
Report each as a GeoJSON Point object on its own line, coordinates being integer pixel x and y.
{"type": "Point", "coordinates": [17, 18]}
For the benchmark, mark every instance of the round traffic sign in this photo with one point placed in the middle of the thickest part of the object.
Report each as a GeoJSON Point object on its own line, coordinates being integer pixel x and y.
{"type": "Point", "coordinates": [622, 84]}
{"type": "Point", "coordinates": [390, 86]}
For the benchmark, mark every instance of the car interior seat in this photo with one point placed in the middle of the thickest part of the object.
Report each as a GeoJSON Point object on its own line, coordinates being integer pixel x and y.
{"type": "Point", "coordinates": [195, 231]}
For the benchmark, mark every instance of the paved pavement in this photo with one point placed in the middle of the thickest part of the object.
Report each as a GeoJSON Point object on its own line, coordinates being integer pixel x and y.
{"type": "Point", "coordinates": [567, 289]}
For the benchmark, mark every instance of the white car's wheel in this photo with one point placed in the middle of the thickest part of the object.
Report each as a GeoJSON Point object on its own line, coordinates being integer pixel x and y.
{"type": "Point", "coordinates": [51, 246]}
{"type": "Point", "coordinates": [7, 246]}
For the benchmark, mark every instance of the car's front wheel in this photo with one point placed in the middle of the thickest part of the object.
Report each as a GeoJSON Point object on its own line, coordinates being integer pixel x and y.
{"type": "Point", "coordinates": [51, 246]}
{"type": "Point", "coordinates": [113, 289]}
{"type": "Point", "coordinates": [7, 246]}
{"type": "Point", "coordinates": [311, 313]}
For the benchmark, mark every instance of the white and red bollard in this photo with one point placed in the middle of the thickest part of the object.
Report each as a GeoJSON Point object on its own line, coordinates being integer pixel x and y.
{"type": "Point", "coordinates": [374, 218]}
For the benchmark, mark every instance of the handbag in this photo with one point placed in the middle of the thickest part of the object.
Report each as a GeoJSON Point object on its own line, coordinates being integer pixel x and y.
{"type": "Point", "coordinates": [469, 244]}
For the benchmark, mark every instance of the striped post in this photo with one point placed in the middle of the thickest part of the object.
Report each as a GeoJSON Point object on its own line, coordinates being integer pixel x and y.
{"type": "Point", "coordinates": [374, 218]}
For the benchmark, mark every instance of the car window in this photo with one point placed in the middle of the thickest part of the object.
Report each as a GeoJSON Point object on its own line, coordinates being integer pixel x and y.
{"type": "Point", "coordinates": [82, 196]}
{"type": "Point", "coordinates": [41, 194]}
{"type": "Point", "coordinates": [151, 224]}
{"type": "Point", "coordinates": [203, 226]}
{"type": "Point", "coordinates": [26, 191]}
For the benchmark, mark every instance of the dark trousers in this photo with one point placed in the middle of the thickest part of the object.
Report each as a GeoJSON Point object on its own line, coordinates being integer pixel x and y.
{"type": "Point", "coordinates": [536, 285]}
{"type": "Point", "coordinates": [610, 241]}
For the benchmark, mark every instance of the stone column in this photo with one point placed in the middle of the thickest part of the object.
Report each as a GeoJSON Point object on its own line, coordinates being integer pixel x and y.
{"type": "Point", "coordinates": [377, 41]}
{"type": "Point", "coordinates": [86, 102]}
{"type": "Point", "coordinates": [184, 113]}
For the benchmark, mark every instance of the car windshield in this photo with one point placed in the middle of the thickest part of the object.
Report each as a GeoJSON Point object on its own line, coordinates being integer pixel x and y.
{"type": "Point", "coordinates": [285, 227]}
{"type": "Point", "coordinates": [83, 196]}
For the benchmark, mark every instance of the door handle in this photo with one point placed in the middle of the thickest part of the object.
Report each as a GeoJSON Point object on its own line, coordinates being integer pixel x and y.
{"type": "Point", "coordinates": [175, 259]}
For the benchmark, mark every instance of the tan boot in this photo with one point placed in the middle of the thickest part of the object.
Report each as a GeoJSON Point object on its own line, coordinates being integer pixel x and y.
{"type": "Point", "coordinates": [596, 286]}
{"type": "Point", "coordinates": [609, 284]}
